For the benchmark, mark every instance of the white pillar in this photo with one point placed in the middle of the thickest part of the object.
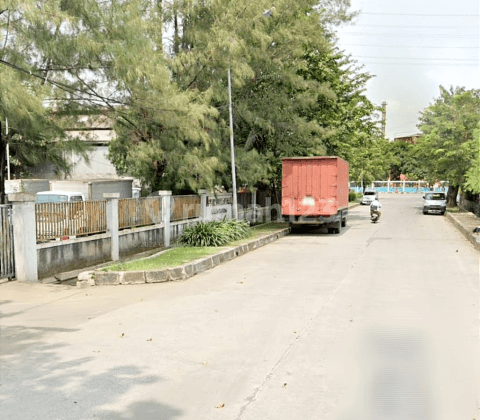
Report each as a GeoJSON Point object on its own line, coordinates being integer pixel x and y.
{"type": "Point", "coordinates": [166, 211]}
{"type": "Point", "coordinates": [203, 204]}
{"type": "Point", "coordinates": [112, 224]}
{"type": "Point", "coordinates": [24, 236]}
{"type": "Point", "coordinates": [254, 207]}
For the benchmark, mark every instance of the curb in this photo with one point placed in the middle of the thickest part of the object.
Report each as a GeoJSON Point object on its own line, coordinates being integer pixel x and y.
{"type": "Point", "coordinates": [351, 206]}
{"type": "Point", "coordinates": [466, 231]}
{"type": "Point", "coordinates": [182, 272]}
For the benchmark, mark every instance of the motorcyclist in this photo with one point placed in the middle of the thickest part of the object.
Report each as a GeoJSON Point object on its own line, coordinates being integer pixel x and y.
{"type": "Point", "coordinates": [375, 206]}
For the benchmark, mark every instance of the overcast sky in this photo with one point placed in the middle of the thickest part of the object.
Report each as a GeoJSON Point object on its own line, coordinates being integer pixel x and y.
{"type": "Point", "coordinates": [412, 47]}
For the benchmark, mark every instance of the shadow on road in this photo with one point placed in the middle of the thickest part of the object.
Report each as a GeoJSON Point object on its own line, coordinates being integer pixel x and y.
{"type": "Point", "coordinates": [305, 230]}
{"type": "Point", "coordinates": [40, 379]}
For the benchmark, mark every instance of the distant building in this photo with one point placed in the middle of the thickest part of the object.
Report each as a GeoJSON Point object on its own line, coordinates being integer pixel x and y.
{"type": "Point", "coordinates": [408, 139]}
{"type": "Point", "coordinates": [98, 131]}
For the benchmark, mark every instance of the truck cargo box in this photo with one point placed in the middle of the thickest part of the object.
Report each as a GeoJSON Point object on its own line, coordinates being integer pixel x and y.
{"type": "Point", "coordinates": [314, 186]}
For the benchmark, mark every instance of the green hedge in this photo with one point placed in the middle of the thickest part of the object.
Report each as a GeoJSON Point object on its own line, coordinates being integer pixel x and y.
{"type": "Point", "coordinates": [215, 233]}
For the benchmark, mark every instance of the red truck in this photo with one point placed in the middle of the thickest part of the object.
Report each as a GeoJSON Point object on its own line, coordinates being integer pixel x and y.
{"type": "Point", "coordinates": [315, 191]}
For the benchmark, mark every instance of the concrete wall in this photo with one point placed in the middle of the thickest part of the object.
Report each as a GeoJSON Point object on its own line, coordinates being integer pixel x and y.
{"type": "Point", "coordinates": [177, 228]}
{"type": "Point", "coordinates": [27, 185]}
{"type": "Point", "coordinates": [93, 189]}
{"type": "Point", "coordinates": [123, 187]}
{"type": "Point", "coordinates": [133, 241]}
{"type": "Point", "coordinates": [98, 165]}
{"type": "Point", "coordinates": [73, 186]}
{"type": "Point", "coordinates": [72, 254]}
{"type": "Point", "coordinates": [56, 257]}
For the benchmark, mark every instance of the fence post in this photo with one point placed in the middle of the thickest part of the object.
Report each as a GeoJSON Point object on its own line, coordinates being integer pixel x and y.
{"type": "Point", "coordinates": [112, 224]}
{"type": "Point", "coordinates": [166, 211]}
{"type": "Point", "coordinates": [24, 236]}
{"type": "Point", "coordinates": [203, 204]}
{"type": "Point", "coordinates": [254, 207]}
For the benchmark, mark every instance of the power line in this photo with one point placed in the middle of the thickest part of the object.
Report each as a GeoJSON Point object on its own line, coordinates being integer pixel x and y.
{"type": "Point", "coordinates": [417, 26]}
{"type": "Point", "coordinates": [409, 35]}
{"type": "Point", "coordinates": [415, 14]}
{"type": "Point", "coordinates": [415, 58]}
{"type": "Point", "coordinates": [420, 64]}
{"type": "Point", "coordinates": [407, 46]}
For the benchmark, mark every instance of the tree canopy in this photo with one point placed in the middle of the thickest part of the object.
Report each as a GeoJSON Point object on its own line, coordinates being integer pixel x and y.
{"type": "Point", "coordinates": [447, 148]}
{"type": "Point", "coordinates": [159, 70]}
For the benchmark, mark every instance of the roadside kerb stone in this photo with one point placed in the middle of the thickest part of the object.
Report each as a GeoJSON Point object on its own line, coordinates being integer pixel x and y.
{"type": "Point", "coordinates": [176, 273]}
{"type": "Point", "coordinates": [202, 265]}
{"type": "Point", "coordinates": [132, 277]}
{"type": "Point", "coordinates": [157, 276]}
{"type": "Point", "coordinates": [101, 278]}
{"type": "Point", "coordinates": [86, 279]}
{"type": "Point", "coordinates": [466, 228]}
{"type": "Point", "coordinates": [107, 278]}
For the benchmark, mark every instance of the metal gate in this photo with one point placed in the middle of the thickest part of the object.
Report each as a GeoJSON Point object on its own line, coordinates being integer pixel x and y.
{"type": "Point", "coordinates": [7, 258]}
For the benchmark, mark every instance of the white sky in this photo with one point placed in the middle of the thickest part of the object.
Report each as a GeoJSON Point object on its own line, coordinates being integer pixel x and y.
{"type": "Point", "coordinates": [413, 47]}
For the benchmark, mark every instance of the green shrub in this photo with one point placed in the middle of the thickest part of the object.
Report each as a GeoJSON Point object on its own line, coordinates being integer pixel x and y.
{"type": "Point", "coordinates": [352, 196]}
{"type": "Point", "coordinates": [215, 233]}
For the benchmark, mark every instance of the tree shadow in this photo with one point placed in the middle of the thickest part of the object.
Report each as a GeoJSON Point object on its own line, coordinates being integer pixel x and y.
{"type": "Point", "coordinates": [40, 380]}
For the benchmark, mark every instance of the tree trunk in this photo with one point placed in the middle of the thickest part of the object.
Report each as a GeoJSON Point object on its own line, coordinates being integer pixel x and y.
{"type": "Point", "coordinates": [452, 196]}
{"type": "Point", "coordinates": [3, 158]}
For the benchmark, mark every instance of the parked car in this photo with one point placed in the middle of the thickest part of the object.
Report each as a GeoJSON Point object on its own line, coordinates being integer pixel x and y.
{"type": "Point", "coordinates": [54, 218]}
{"type": "Point", "coordinates": [59, 197]}
{"type": "Point", "coordinates": [369, 195]}
{"type": "Point", "coordinates": [435, 202]}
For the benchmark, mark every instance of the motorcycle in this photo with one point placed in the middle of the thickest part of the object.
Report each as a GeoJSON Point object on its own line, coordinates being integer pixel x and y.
{"type": "Point", "coordinates": [374, 216]}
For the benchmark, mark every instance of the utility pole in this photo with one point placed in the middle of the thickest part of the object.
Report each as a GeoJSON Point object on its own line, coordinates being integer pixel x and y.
{"type": "Point", "coordinates": [8, 149]}
{"type": "Point", "coordinates": [232, 148]}
{"type": "Point", "coordinates": [384, 117]}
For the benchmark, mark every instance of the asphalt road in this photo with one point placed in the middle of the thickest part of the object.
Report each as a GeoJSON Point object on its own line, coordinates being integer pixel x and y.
{"type": "Point", "coordinates": [379, 322]}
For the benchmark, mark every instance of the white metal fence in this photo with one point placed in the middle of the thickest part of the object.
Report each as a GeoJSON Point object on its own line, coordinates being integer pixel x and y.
{"type": "Point", "coordinates": [7, 259]}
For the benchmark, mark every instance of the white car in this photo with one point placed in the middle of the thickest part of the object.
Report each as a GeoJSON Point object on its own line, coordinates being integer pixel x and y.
{"type": "Point", "coordinates": [369, 195]}
{"type": "Point", "coordinates": [59, 197]}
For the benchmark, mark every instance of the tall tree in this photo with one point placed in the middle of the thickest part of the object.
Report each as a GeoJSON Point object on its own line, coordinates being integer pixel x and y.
{"type": "Point", "coordinates": [446, 147]}
{"type": "Point", "coordinates": [405, 160]}
{"type": "Point", "coordinates": [31, 101]}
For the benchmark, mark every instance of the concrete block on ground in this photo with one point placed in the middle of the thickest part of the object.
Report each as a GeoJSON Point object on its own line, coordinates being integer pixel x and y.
{"type": "Point", "coordinates": [86, 279]}
{"type": "Point", "coordinates": [216, 260]}
{"type": "Point", "coordinates": [189, 270]}
{"type": "Point", "coordinates": [229, 254]}
{"type": "Point", "coordinates": [158, 276]}
{"type": "Point", "coordinates": [252, 245]}
{"type": "Point", "coordinates": [132, 277]}
{"type": "Point", "coordinates": [203, 265]}
{"type": "Point", "coordinates": [177, 273]}
{"type": "Point", "coordinates": [103, 278]}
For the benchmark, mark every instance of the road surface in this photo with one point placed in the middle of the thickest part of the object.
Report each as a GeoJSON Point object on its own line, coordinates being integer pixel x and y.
{"type": "Point", "coordinates": [379, 322]}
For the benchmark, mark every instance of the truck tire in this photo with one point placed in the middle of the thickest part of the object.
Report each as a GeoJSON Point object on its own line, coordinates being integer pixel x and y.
{"type": "Point", "coordinates": [344, 222]}
{"type": "Point", "coordinates": [337, 229]}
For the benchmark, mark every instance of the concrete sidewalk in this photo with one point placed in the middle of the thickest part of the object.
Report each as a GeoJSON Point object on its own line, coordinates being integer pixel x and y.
{"type": "Point", "coordinates": [465, 223]}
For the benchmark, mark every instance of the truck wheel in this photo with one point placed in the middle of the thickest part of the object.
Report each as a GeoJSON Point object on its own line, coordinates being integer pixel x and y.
{"type": "Point", "coordinates": [344, 222]}
{"type": "Point", "coordinates": [338, 228]}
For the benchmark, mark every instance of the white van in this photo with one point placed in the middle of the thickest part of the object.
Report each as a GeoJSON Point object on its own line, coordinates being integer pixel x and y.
{"type": "Point", "coordinates": [59, 197]}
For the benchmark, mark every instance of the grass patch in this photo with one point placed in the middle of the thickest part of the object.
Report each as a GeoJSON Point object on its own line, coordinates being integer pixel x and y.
{"type": "Point", "coordinates": [455, 210]}
{"type": "Point", "coordinates": [171, 258]}
{"type": "Point", "coordinates": [184, 254]}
